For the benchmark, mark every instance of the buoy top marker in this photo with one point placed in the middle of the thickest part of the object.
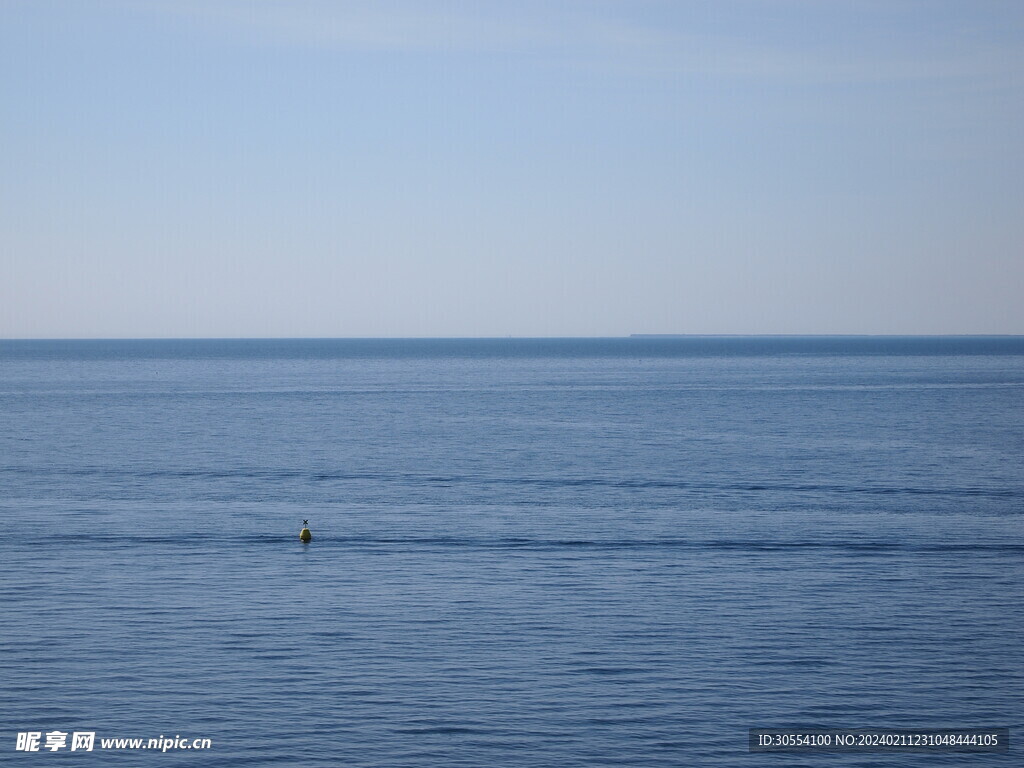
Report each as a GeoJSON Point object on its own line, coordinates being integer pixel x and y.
{"type": "Point", "coordinates": [304, 535]}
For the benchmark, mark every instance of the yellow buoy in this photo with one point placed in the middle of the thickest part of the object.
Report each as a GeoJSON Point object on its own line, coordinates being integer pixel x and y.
{"type": "Point", "coordinates": [304, 535]}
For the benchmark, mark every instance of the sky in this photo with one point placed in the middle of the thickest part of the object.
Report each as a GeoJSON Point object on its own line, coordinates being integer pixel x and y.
{"type": "Point", "coordinates": [410, 168]}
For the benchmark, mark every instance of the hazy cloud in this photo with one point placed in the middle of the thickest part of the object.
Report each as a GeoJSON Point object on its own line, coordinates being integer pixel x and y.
{"type": "Point", "coordinates": [623, 35]}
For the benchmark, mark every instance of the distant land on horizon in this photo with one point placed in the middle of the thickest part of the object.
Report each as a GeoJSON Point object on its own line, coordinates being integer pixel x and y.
{"type": "Point", "coordinates": [823, 335]}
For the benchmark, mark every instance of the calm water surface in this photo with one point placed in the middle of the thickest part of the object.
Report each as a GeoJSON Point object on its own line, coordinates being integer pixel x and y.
{"type": "Point", "coordinates": [526, 553]}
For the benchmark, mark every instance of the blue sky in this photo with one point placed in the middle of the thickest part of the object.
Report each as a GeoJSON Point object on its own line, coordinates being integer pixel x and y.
{"type": "Point", "coordinates": [310, 168]}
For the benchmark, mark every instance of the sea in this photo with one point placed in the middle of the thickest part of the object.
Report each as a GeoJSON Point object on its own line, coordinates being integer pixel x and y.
{"type": "Point", "coordinates": [525, 552]}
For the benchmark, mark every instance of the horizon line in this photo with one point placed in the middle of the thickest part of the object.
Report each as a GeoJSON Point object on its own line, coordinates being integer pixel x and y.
{"type": "Point", "coordinates": [526, 338]}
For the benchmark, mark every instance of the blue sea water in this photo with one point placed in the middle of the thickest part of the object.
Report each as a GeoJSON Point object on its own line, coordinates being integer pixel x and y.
{"type": "Point", "coordinates": [563, 553]}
